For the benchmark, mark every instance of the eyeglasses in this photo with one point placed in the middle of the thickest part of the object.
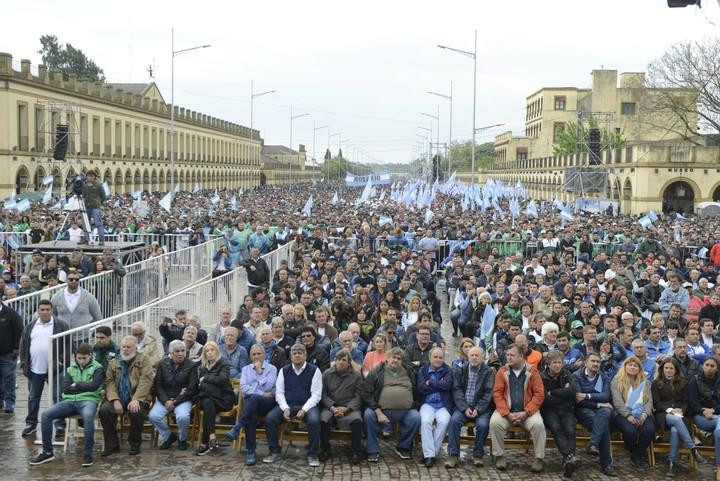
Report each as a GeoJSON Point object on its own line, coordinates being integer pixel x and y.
{"type": "Point", "coordinates": [306, 335]}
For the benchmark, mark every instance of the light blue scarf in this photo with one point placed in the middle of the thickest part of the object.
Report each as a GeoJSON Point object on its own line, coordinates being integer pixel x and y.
{"type": "Point", "coordinates": [634, 402]}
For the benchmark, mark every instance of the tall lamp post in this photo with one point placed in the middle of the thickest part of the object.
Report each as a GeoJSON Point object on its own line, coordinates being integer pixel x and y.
{"type": "Point", "coordinates": [175, 53]}
{"type": "Point", "coordinates": [428, 138]}
{"type": "Point", "coordinates": [292, 118]}
{"type": "Point", "coordinates": [437, 143]}
{"type": "Point", "coordinates": [472, 55]}
{"type": "Point", "coordinates": [449, 98]}
{"type": "Point", "coordinates": [315, 129]}
{"type": "Point", "coordinates": [253, 96]}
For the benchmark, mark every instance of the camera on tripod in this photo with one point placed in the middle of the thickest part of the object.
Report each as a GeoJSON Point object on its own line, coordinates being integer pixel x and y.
{"type": "Point", "coordinates": [77, 185]}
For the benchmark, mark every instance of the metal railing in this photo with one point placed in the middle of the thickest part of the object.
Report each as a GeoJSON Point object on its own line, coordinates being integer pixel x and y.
{"type": "Point", "coordinates": [144, 281]}
{"type": "Point", "coordinates": [206, 299]}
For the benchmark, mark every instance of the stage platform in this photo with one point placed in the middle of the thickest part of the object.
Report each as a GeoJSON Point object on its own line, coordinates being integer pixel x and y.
{"type": "Point", "coordinates": [128, 252]}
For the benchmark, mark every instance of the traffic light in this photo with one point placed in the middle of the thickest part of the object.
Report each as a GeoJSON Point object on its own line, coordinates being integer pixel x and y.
{"type": "Point", "coordinates": [682, 3]}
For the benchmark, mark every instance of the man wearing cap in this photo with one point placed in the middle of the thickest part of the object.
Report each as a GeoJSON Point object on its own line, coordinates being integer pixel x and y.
{"type": "Point", "coordinates": [94, 195]}
{"type": "Point", "coordinates": [576, 332]}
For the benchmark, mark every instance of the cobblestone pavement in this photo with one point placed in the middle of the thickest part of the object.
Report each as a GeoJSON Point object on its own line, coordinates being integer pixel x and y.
{"type": "Point", "coordinates": [227, 464]}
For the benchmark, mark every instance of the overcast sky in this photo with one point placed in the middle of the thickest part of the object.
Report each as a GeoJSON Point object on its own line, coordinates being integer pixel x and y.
{"type": "Point", "coordinates": [362, 68]}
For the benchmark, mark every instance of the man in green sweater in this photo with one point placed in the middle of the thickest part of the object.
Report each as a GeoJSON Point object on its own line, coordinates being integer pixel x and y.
{"type": "Point", "coordinates": [81, 388]}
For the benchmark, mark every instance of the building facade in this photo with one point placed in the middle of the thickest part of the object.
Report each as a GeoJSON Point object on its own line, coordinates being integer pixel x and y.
{"type": "Point", "coordinates": [626, 106]}
{"type": "Point", "coordinates": [122, 131]}
{"type": "Point", "coordinates": [283, 165]}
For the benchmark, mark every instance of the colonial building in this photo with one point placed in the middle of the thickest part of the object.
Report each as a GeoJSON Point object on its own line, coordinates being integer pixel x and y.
{"type": "Point", "coordinates": [628, 107]}
{"type": "Point", "coordinates": [283, 165]}
{"type": "Point", "coordinates": [120, 130]}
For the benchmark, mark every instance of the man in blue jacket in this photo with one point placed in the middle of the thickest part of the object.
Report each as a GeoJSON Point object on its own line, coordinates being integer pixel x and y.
{"type": "Point", "coordinates": [472, 393]}
{"type": "Point", "coordinates": [594, 409]}
{"type": "Point", "coordinates": [434, 384]}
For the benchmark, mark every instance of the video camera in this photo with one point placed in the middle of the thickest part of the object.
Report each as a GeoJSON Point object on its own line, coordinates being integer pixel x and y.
{"type": "Point", "coordinates": [77, 185]}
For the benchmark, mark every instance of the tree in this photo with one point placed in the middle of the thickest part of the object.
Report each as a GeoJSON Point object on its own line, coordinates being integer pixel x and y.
{"type": "Point", "coordinates": [572, 139]}
{"type": "Point", "coordinates": [462, 155]}
{"type": "Point", "coordinates": [340, 153]}
{"type": "Point", "coordinates": [690, 102]}
{"type": "Point", "coordinates": [68, 59]}
{"type": "Point", "coordinates": [328, 155]}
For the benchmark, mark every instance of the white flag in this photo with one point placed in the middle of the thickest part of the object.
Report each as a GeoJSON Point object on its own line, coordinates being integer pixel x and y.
{"type": "Point", "coordinates": [166, 201]}
{"type": "Point", "coordinates": [233, 203]}
{"type": "Point", "coordinates": [47, 180]}
{"type": "Point", "coordinates": [335, 199]}
{"type": "Point", "coordinates": [47, 197]}
{"type": "Point", "coordinates": [385, 220]}
{"type": "Point", "coordinates": [57, 206]}
{"type": "Point", "coordinates": [137, 195]}
{"type": "Point", "coordinates": [72, 204]}
{"type": "Point", "coordinates": [429, 216]}
{"type": "Point", "coordinates": [177, 188]}
{"type": "Point", "coordinates": [106, 188]}
{"type": "Point", "coordinates": [196, 189]}
{"type": "Point", "coordinates": [307, 210]}
{"type": "Point", "coordinates": [23, 205]}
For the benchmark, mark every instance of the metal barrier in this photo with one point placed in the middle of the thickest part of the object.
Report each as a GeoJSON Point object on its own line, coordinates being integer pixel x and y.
{"type": "Point", "coordinates": [12, 240]}
{"type": "Point", "coordinates": [143, 282]}
{"type": "Point", "coordinates": [206, 299]}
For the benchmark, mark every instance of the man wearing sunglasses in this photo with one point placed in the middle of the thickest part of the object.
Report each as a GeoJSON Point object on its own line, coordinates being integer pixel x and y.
{"type": "Point", "coordinates": [75, 305]}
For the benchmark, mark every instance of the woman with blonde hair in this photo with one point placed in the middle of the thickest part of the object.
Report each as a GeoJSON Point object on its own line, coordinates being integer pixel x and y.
{"type": "Point", "coordinates": [215, 393]}
{"type": "Point", "coordinates": [632, 399]}
{"type": "Point", "coordinates": [410, 317]}
{"type": "Point", "coordinates": [377, 356]}
{"type": "Point", "coordinates": [300, 313]}
{"type": "Point", "coordinates": [462, 360]}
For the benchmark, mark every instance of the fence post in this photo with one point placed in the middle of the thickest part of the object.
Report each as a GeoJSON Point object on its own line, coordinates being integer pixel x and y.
{"type": "Point", "coordinates": [192, 265]}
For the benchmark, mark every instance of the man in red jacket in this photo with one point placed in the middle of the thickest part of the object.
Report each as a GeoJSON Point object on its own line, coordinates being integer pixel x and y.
{"type": "Point", "coordinates": [518, 394]}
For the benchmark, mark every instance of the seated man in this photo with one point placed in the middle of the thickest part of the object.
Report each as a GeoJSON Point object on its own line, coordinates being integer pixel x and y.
{"type": "Point", "coordinates": [594, 410]}
{"type": "Point", "coordinates": [557, 408]}
{"type": "Point", "coordinates": [104, 348]}
{"type": "Point", "coordinates": [274, 354]}
{"type": "Point", "coordinates": [298, 391]}
{"type": "Point", "coordinates": [128, 386]}
{"type": "Point", "coordinates": [434, 385]}
{"type": "Point", "coordinates": [472, 392]}
{"type": "Point", "coordinates": [257, 381]}
{"type": "Point", "coordinates": [341, 403]}
{"type": "Point", "coordinates": [390, 396]}
{"type": "Point", "coordinates": [518, 394]}
{"type": "Point", "coordinates": [176, 383]}
{"type": "Point", "coordinates": [147, 344]}
{"type": "Point", "coordinates": [346, 343]}
{"type": "Point", "coordinates": [418, 353]}
{"type": "Point", "coordinates": [193, 348]}
{"type": "Point", "coordinates": [81, 390]}
{"type": "Point", "coordinates": [233, 353]}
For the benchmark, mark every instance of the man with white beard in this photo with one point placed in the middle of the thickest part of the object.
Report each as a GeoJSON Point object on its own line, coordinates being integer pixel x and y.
{"type": "Point", "coordinates": [128, 386]}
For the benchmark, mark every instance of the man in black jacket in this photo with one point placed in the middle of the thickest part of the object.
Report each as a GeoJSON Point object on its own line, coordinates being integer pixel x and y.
{"type": "Point", "coordinates": [257, 270]}
{"type": "Point", "coordinates": [10, 332]}
{"type": "Point", "coordinates": [176, 382]}
{"type": "Point", "coordinates": [558, 408]}
{"type": "Point", "coordinates": [316, 354]}
{"type": "Point", "coordinates": [390, 396]}
{"type": "Point", "coordinates": [472, 393]}
{"type": "Point", "coordinates": [651, 294]}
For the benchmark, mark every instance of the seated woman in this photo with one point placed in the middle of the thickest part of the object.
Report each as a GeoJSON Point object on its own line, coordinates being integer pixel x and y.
{"type": "Point", "coordinates": [704, 399]}
{"type": "Point", "coordinates": [669, 392]}
{"type": "Point", "coordinates": [462, 360]}
{"type": "Point", "coordinates": [257, 381]}
{"type": "Point", "coordinates": [215, 393]}
{"type": "Point", "coordinates": [632, 399]}
{"type": "Point", "coordinates": [377, 356]}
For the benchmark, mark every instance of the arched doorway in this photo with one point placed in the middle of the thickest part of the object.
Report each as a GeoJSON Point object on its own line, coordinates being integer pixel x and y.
{"type": "Point", "coordinates": [679, 196]}
{"type": "Point", "coordinates": [263, 178]}
{"type": "Point", "coordinates": [716, 194]}
{"type": "Point", "coordinates": [22, 180]}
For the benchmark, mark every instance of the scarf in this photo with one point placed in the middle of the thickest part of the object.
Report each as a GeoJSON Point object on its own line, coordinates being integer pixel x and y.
{"type": "Point", "coordinates": [125, 386]}
{"type": "Point", "coordinates": [634, 400]}
{"type": "Point", "coordinates": [599, 383]}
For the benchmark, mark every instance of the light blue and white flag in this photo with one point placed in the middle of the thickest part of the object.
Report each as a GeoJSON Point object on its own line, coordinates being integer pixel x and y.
{"type": "Point", "coordinates": [47, 179]}
{"type": "Point", "coordinates": [176, 189]}
{"type": "Point", "coordinates": [196, 189]}
{"type": "Point", "coordinates": [652, 216]}
{"type": "Point", "coordinates": [166, 202]}
{"type": "Point", "coordinates": [23, 205]}
{"type": "Point", "coordinates": [137, 195]}
{"type": "Point", "coordinates": [645, 222]}
{"type": "Point", "coordinates": [531, 209]}
{"type": "Point", "coordinates": [429, 216]}
{"type": "Point", "coordinates": [488, 321]}
{"type": "Point", "coordinates": [307, 210]}
{"type": "Point", "coordinates": [385, 220]}
{"type": "Point", "coordinates": [335, 199]}
{"type": "Point", "coordinates": [106, 188]}
{"type": "Point", "coordinates": [47, 196]}
{"type": "Point", "coordinates": [215, 198]}
{"type": "Point", "coordinates": [233, 203]}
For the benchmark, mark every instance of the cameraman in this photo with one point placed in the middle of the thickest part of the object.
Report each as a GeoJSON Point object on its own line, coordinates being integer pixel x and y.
{"type": "Point", "coordinates": [94, 195]}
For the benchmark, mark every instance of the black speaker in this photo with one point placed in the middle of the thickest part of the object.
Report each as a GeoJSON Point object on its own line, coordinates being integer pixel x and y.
{"type": "Point", "coordinates": [61, 142]}
{"type": "Point", "coordinates": [594, 147]}
{"type": "Point", "coordinates": [682, 3]}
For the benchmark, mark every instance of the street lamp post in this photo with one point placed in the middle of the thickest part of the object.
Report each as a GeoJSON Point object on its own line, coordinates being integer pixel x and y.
{"type": "Point", "coordinates": [315, 129]}
{"type": "Point", "coordinates": [175, 53]}
{"type": "Point", "coordinates": [449, 98]}
{"type": "Point", "coordinates": [437, 144]}
{"type": "Point", "coordinates": [429, 141]}
{"type": "Point", "coordinates": [292, 118]}
{"type": "Point", "coordinates": [253, 96]}
{"type": "Point", "coordinates": [472, 55]}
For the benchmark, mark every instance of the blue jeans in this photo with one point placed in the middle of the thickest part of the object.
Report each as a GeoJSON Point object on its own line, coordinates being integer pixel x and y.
{"type": "Point", "coordinates": [63, 409]}
{"type": "Point", "coordinates": [7, 378]}
{"type": "Point", "coordinates": [158, 419]}
{"type": "Point", "coordinates": [275, 418]}
{"type": "Point", "coordinates": [409, 424]}
{"type": "Point", "coordinates": [713, 426]}
{"type": "Point", "coordinates": [36, 384]}
{"type": "Point", "coordinates": [96, 216]}
{"type": "Point", "coordinates": [482, 426]}
{"type": "Point", "coordinates": [678, 432]}
{"type": "Point", "coordinates": [254, 405]}
{"type": "Point", "coordinates": [597, 421]}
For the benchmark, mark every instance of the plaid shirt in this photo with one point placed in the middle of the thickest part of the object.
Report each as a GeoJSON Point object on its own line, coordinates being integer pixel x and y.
{"type": "Point", "coordinates": [472, 382]}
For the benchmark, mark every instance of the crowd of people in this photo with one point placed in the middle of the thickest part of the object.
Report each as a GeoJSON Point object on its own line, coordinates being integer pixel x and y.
{"type": "Point", "coordinates": [552, 322]}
